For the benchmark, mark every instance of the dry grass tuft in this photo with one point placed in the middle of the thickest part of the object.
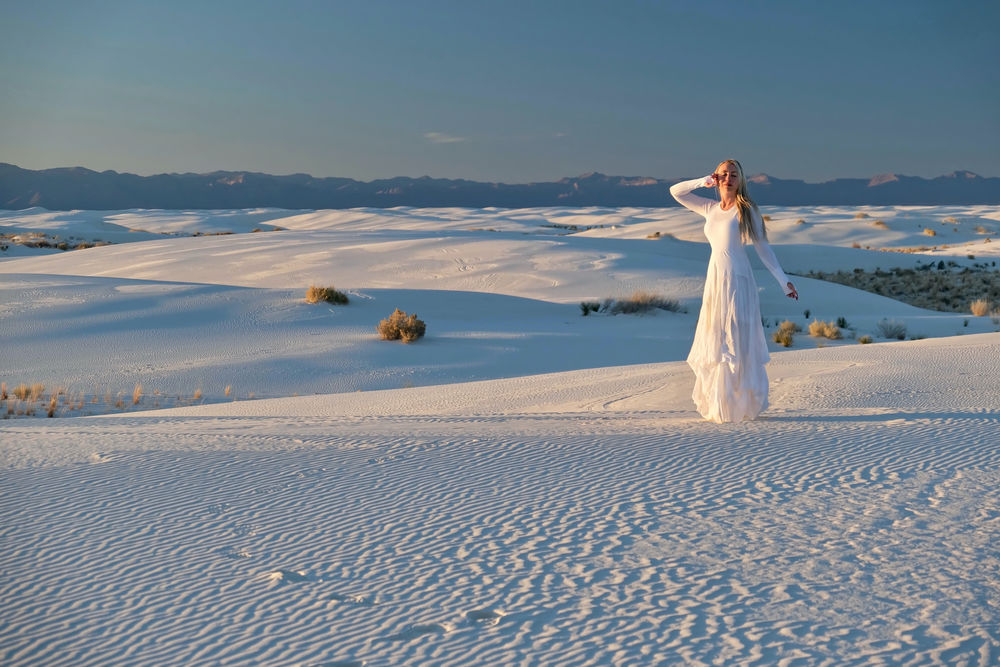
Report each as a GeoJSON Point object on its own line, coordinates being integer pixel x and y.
{"type": "Point", "coordinates": [929, 232]}
{"type": "Point", "coordinates": [400, 326]}
{"type": "Point", "coordinates": [316, 294]}
{"type": "Point", "coordinates": [785, 335]}
{"type": "Point", "coordinates": [865, 340]}
{"type": "Point", "coordinates": [880, 224]}
{"type": "Point", "coordinates": [980, 307]}
{"type": "Point", "coordinates": [821, 329]}
{"type": "Point", "coordinates": [641, 302]}
{"type": "Point", "coordinates": [891, 329]}
{"type": "Point", "coordinates": [860, 215]}
{"type": "Point", "coordinates": [137, 394]}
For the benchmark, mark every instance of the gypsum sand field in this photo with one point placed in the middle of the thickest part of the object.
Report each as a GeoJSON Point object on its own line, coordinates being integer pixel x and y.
{"type": "Point", "coordinates": [584, 516]}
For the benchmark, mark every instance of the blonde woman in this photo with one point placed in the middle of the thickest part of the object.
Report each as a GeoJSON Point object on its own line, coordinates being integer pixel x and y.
{"type": "Point", "coordinates": [729, 350]}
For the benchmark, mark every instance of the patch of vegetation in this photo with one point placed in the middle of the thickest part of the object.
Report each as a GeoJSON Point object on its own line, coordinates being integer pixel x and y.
{"type": "Point", "coordinates": [937, 286]}
{"type": "Point", "coordinates": [980, 307]}
{"type": "Point", "coordinates": [400, 326]}
{"type": "Point", "coordinates": [865, 340]}
{"type": "Point", "coordinates": [328, 294]}
{"type": "Point", "coordinates": [821, 329]}
{"type": "Point", "coordinates": [785, 335]}
{"type": "Point", "coordinates": [891, 329]}
{"type": "Point", "coordinates": [641, 302]}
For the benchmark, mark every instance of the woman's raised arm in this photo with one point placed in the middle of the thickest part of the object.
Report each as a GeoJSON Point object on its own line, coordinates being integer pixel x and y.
{"type": "Point", "coordinates": [682, 193]}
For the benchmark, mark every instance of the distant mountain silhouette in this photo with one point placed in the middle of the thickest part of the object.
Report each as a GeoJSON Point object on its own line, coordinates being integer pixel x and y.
{"type": "Point", "coordinates": [78, 188]}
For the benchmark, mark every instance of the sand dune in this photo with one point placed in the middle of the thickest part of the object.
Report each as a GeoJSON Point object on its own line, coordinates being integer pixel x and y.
{"type": "Point", "coordinates": [523, 486]}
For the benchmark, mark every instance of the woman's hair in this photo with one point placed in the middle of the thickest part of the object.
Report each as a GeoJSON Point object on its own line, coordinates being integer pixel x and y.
{"type": "Point", "coordinates": [744, 205]}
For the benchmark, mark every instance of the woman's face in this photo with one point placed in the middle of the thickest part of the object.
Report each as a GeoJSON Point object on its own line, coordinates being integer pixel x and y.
{"type": "Point", "coordinates": [728, 178]}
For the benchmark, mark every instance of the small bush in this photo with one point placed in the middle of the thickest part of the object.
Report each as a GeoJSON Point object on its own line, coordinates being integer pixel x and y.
{"type": "Point", "coordinates": [654, 235]}
{"type": "Point", "coordinates": [589, 306]}
{"type": "Point", "coordinates": [328, 294]}
{"type": "Point", "coordinates": [860, 215]}
{"type": "Point", "coordinates": [641, 302]}
{"type": "Point", "coordinates": [891, 329]}
{"type": "Point", "coordinates": [880, 224]}
{"type": "Point", "coordinates": [980, 307]}
{"type": "Point", "coordinates": [800, 221]}
{"type": "Point", "coordinates": [864, 340]}
{"type": "Point", "coordinates": [929, 232]}
{"type": "Point", "coordinates": [821, 329]}
{"type": "Point", "coordinates": [784, 337]}
{"type": "Point", "coordinates": [790, 326]}
{"type": "Point", "coordinates": [400, 326]}
{"type": "Point", "coordinates": [842, 322]}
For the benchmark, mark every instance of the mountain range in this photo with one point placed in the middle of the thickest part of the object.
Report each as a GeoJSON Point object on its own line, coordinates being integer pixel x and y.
{"type": "Point", "coordinates": [79, 188]}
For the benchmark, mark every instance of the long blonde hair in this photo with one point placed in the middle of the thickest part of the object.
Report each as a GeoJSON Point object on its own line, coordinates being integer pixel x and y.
{"type": "Point", "coordinates": [744, 205]}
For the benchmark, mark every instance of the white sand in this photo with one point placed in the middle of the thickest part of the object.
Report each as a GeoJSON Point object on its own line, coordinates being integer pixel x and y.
{"type": "Point", "coordinates": [524, 486]}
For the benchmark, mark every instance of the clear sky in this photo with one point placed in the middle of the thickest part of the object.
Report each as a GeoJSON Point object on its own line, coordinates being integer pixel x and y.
{"type": "Point", "coordinates": [508, 90]}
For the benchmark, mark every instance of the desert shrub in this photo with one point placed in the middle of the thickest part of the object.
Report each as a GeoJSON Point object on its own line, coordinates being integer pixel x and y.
{"type": "Point", "coordinates": [821, 329]}
{"type": "Point", "coordinates": [654, 235]}
{"type": "Point", "coordinates": [641, 302]}
{"type": "Point", "coordinates": [589, 306]}
{"type": "Point", "coordinates": [790, 326]}
{"type": "Point", "coordinates": [785, 338]}
{"type": "Point", "coordinates": [400, 326]}
{"type": "Point", "coordinates": [860, 215]}
{"type": "Point", "coordinates": [842, 322]}
{"type": "Point", "coordinates": [950, 218]}
{"type": "Point", "coordinates": [980, 307]}
{"type": "Point", "coordinates": [864, 340]}
{"type": "Point", "coordinates": [880, 224]}
{"type": "Point", "coordinates": [800, 221]}
{"type": "Point", "coordinates": [328, 294]}
{"type": "Point", "coordinates": [891, 329]}
{"type": "Point", "coordinates": [929, 232]}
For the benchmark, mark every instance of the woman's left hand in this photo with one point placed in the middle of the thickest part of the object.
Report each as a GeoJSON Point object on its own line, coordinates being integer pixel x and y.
{"type": "Point", "coordinates": [792, 294]}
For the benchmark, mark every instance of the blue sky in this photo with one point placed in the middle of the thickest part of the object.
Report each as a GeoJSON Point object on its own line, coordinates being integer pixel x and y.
{"type": "Point", "coordinates": [509, 91]}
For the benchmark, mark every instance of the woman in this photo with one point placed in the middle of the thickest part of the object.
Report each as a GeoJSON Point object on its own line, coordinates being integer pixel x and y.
{"type": "Point", "coordinates": [729, 351]}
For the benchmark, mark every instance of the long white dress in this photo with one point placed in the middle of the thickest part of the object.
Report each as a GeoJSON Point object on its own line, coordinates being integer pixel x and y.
{"type": "Point", "coordinates": [729, 350]}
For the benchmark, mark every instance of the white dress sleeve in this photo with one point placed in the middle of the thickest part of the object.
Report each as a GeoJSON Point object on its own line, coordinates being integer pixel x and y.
{"type": "Point", "coordinates": [682, 193]}
{"type": "Point", "coordinates": [766, 254]}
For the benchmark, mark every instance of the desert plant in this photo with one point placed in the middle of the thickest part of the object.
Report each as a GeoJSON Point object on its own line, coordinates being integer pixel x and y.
{"type": "Point", "coordinates": [400, 326]}
{"type": "Point", "coordinates": [842, 322]}
{"type": "Point", "coordinates": [864, 340]}
{"type": "Point", "coordinates": [800, 221]}
{"type": "Point", "coordinates": [880, 224]}
{"type": "Point", "coordinates": [788, 325]}
{"type": "Point", "coordinates": [589, 307]}
{"type": "Point", "coordinates": [654, 235]}
{"type": "Point", "coordinates": [784, 337]}
{"type": "Point", "coordinates": [641, 302]}
{"type": "Point", "coordinates": [860, 215]}
{"type": "Point", "coordinates": [821, 329]}
{"type": "Point", "coordinates": [891, 329]}
{"type": "Point", "coordinates": [929, 232]}
{"type": "Point", "coordinates": [137, 394]}
{"type": "Point", "coordinates": [980, 307]}
{"type": "Point", "coordinates": [806, 313]}
{"type": "Point", "coordinates": [328, 294]}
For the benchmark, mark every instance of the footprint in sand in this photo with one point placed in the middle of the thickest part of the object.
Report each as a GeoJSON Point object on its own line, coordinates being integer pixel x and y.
{"type": "Point", "coordinates": [218, 508]}
{"type": "Point", "coordinates": [235, 553]}
{"type": "Point", "coordinates": [484, 617]}
{"type": "Point", "coordinates": [288, 577]}
{"type": "Point", "coordinates": [353, 599]}
{"type": "Point", "coordinates": [419, 630]}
